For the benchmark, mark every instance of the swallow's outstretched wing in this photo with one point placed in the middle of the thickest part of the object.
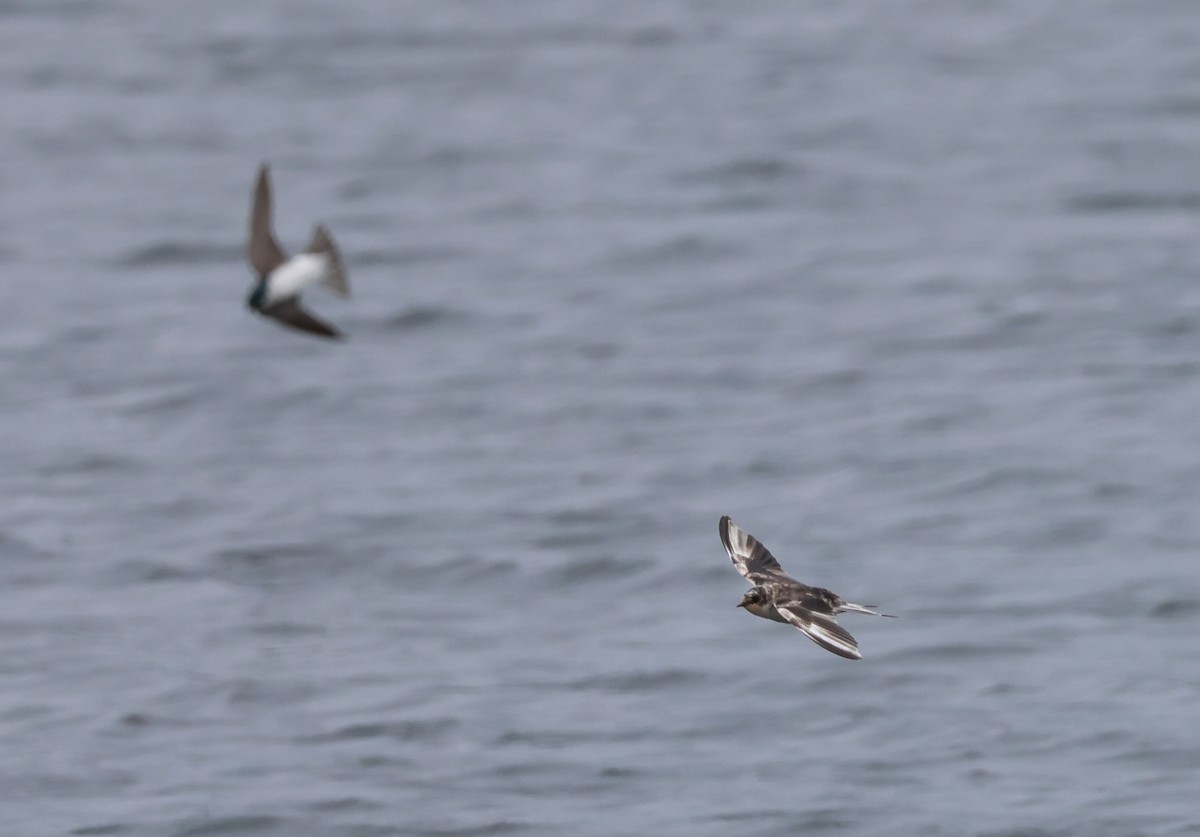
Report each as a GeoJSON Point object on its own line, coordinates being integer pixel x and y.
{"type": "Point", "coordinates": [821, 628]}
{"type": "Point", "coordinates": [750, 557]}
{"type": "Point", "coordinates": [290, 313]}
{"type": "Point", "coordinates": [264, 251]}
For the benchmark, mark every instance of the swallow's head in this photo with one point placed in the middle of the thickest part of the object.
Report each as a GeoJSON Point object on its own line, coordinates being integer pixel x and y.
{"type": "Point", "coordinates": [754, 597]}
{"type": "Point", "coordinates": [258, 296]}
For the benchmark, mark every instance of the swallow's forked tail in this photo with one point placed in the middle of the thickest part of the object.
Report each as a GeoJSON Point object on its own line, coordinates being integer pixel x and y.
{"type": "Point", "coordinates": [851, 607]}
{"type": "Point", "coordinates": [334, 276]}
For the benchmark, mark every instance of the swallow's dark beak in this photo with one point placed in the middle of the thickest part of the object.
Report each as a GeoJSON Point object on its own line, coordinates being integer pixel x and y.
{"type": "Point", "coordinates": [741, 604]}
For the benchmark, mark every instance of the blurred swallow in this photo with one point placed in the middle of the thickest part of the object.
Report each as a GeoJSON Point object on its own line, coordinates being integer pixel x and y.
{"type": "Point", "coordinates": [280, 278]}
{"type": "Point", "coordinates": [779, 597]}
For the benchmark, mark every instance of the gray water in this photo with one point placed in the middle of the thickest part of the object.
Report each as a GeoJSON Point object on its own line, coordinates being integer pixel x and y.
{"type": "Point", "coordinates": [910, 290]}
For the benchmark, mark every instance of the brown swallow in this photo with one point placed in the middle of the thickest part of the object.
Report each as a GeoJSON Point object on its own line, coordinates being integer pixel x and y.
{"type": "Point", "coordinates": [781, 598]}
{"type": "Point", "coordinates": [280, 278]}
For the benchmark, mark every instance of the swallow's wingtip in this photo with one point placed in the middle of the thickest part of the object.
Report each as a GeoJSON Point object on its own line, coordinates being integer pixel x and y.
{"type": "Point", "coordinates": [263, 179]}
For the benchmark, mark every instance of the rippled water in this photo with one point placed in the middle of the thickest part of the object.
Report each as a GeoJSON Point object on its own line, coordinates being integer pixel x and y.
{"type": "Point", "coordinates": [910, 290]}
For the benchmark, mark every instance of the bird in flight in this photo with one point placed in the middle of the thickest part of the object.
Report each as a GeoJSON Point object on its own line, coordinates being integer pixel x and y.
{"type": "Point", "coordinates": [280, 278]}
{"type": "Point", "coordinates": [779, 597]}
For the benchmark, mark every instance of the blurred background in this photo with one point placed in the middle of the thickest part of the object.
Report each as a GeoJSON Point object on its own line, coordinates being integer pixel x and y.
{"type": "Point", "coordinates": [908, 289]}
